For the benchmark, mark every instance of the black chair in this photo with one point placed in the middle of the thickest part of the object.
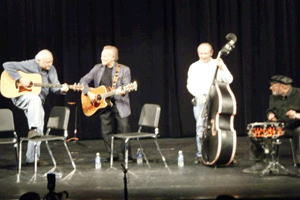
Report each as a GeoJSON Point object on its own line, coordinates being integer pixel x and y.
{"type": "Point", "coordinates": [7, 127]}
{"type": "Point", "coordinates": [149, 117]}
{"type": "Point", "coordinates": [58, 120]}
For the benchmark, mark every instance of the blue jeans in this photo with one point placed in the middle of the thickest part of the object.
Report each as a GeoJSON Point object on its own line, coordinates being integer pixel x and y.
{"type": "Point", "coordinates": [200, 126]}
{"type": "Point", "coordinates": [34, 111]}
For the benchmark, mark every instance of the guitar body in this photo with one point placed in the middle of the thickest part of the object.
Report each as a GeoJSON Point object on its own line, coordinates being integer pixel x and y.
{"type": "Point", "coordinates": [219, 139]}
{"type": "Point", "coordinates": [10, 88]}
{"type": "Point", "coordinates": [88, 108]}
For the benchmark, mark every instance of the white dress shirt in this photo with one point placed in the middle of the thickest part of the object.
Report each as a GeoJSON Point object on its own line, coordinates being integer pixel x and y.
{"type": "Point", "coordinates": [200, 76]}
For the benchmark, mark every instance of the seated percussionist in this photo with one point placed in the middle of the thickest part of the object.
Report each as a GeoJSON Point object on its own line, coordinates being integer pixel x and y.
{"type": "Point", "coordinates": [284, 106]}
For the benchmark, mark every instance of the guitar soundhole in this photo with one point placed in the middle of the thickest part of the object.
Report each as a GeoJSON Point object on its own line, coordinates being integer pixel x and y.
{"type": "Point", "coordinates": [23, 89]}
{"type": "Point", "coordinates": [96, 104]}
{"type": "Point", "coordinates": [99, 97]}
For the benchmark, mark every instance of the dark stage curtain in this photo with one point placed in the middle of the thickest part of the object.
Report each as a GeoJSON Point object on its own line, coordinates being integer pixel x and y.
{"type": "Point", "coordinates": [158, 40]}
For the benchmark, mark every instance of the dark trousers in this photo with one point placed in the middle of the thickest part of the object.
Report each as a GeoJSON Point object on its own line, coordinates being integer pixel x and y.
{"type": "Point", "coordinates": [108, 118]}
{"type": "Point", "coordinates": [257, 152]}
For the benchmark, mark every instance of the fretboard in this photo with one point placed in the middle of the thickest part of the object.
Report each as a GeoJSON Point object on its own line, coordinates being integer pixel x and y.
{"type": "Point", "coordinates": [108, 94]}
{"type": "Point", "coordinates": [47, 85]}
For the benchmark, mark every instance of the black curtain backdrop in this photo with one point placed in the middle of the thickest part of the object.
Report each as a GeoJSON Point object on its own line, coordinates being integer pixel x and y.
{"type": "Point", "coordinates": [158, 40]}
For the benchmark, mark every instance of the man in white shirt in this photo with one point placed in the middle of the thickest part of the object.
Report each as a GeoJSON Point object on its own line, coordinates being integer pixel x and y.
{"type": "Point", "coordinates": [200, 77]}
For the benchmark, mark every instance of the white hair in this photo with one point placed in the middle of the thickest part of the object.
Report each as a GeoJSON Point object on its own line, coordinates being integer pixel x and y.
{"type": "Point", "coordinates": [43, 54]}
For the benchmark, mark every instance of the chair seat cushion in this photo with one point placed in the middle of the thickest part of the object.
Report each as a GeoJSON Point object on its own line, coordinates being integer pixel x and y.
{"type": "Point", "coordinates": [135, 135]}
{"type": "Point", "coordinates": [43, 138]}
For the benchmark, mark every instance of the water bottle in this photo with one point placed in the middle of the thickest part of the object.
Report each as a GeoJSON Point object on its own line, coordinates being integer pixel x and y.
{"type": "Point", "coordinates": [180, 159]}
{"type": "Point", "coordinates": [98, 161]}
{"type": "Point", "coordinates": [139, 156]}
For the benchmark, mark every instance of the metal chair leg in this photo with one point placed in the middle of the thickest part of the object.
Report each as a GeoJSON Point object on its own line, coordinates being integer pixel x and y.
{"type": "Point", "coordinates": [144, 154]}
{"type": "Point", "coordinates": [162, 157]}
{"type": "Point", "coordinates": [17, 157]}
{"type": "Point", "coordinates": [50, 153]}
{"type": "Point", "coordinates": [70, 156]}
{"type": "Point", "coordinates": [293, 153]}
{"type": "Point", "coordinates": [35, 157]}
{"type": "Point", "coordinates": [126, 153]}
{"type": "Point", "coordinates": [111, 151]}
{"type": "Point", "coordinates": [20, 156]}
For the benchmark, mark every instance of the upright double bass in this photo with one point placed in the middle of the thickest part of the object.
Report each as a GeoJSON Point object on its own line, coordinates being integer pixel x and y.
{"type": "Point", "coordinates": [219, 138]}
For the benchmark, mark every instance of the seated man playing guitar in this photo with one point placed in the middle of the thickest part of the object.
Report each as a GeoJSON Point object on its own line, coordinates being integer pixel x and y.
{"type": "Point", "coordinates": [30, 103]}
{"type": "Point", "coordinates": [111, 75]}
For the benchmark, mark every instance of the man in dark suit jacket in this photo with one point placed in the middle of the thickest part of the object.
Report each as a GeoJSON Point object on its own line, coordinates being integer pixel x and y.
{"type": "Point", "coordinates": [103, 74]}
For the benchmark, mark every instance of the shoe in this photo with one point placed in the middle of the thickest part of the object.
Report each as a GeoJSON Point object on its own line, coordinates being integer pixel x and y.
{"type": "Point", "coordinates": [33, 134]}
{"type": "Point", "coordinates": [198, 160]}
{"type": "Point", "coordinates": [256, 168]}
{"type": "Point", "coordinates": [32, 163]}
{"type": "Point", "coordinates": [42, 163]}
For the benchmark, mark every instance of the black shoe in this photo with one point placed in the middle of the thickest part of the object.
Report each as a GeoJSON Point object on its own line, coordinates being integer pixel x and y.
{"type": "Point", "coordinates": [33, 134]}
{"type": "Point", "coordinates": [198, 160]}
{"type": "Point", "coordinates": [256, 168]}
{"type": "Point", "coordinates": [32, 163]}
{"type": "Point", "coordinates": [42, 163]}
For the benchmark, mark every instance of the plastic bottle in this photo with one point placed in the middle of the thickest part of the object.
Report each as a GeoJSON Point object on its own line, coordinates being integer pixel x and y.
{"type": "Point", "coordinates": [180, 159]}
{"type": "Point", "coordinates": [139, 156]}
{"type": "Point", "coordinates": [98, 161]}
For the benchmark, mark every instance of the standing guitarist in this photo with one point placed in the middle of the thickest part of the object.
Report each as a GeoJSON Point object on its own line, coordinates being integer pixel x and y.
{"type": "Point", "coordinates": [111, 73]}
{"type": "Point", "coordinates": [33, 104]}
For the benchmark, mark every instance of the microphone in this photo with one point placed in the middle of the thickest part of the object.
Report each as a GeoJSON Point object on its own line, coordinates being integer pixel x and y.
{"type": "Point", "coordinates": [229, 45]}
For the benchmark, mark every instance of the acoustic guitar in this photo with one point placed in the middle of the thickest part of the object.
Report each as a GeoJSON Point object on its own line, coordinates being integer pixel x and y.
{"type": "Point", "coordinates": [11, 88]}
{"type": "Point", "coordinates": [102, 100]}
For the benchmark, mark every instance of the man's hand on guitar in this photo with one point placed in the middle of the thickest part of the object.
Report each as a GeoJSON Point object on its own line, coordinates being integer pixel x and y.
{"type": "Point", "coordinates": [92, 97]}
{"type": "Point", "coordinates": [201, 99]}
{"type": "Point", "coordinates": [25, 82]}
{"type": "Point", "coordinates": [220, 64]}
{"type": "Point", "coordinates": [292, 114]}
{"type": "Point", "coordinates": [65, 88]}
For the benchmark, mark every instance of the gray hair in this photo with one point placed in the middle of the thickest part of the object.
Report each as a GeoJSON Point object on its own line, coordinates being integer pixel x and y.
{"type": "Point", "coordinates": [42, 54]}
{"type": "Point", "coordinates": [114, 49]}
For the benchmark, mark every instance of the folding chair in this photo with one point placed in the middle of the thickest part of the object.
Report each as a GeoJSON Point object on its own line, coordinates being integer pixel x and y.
{"type": "Point", "coordinates": [149, 117]}
{"type": "Point", "coordinates": [7, 126]}
{"type": "Point", "coordinates": [58, 120]}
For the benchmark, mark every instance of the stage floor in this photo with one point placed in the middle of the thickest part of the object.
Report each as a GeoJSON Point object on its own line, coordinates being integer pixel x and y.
{"type": "Point", "coordinates": [158, 182]}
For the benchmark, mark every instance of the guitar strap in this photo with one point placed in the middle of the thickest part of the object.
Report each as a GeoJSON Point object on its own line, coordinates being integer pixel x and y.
{"type": "Point", "coordinates": [113, 87]}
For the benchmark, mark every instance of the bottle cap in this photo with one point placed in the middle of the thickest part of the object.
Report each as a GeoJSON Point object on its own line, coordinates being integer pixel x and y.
{"type": "Point", "coordinates": [179, 151]}
{"type": "Point", "coordinates": [98, 154]}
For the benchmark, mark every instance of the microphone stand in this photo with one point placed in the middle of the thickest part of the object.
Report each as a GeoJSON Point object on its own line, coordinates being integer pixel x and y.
{"type": "Point", "coordinates": [125, 182]}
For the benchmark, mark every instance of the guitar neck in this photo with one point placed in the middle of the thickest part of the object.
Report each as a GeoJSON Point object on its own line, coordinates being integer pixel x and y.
{"type": "Point", "coordinates": [108, 94]}
{"type": "Point", "coordinates": [47, 85]}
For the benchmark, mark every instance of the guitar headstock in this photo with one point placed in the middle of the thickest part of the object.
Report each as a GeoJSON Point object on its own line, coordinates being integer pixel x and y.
{"type": "Point", "coordinates": [131, 87]}
{"type": "Point", "coordinates": [76, 87]}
